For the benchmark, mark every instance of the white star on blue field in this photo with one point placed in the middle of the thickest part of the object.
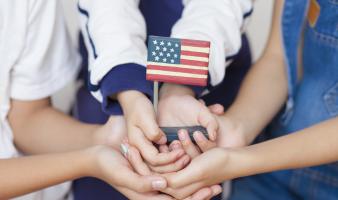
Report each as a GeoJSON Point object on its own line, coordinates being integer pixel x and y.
{"type": "Point", "coordinates": [164, 50]}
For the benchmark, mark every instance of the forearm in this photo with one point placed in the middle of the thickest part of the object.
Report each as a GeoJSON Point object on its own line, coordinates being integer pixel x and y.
{"type": "Point", "coordinates": [309, 147]}
{"type": "Point", "coordinates": [27, 174]}
{"type": "Point", "coordinates": [39, 128]}
{"type": "Point", "coordinates": [261, 96]}
{"type": "Point", "coordinates": [264, 90]}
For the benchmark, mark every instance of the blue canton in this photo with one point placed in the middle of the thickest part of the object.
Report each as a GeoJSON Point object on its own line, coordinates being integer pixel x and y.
{"type": "Point", "coordinates": [164, 50]}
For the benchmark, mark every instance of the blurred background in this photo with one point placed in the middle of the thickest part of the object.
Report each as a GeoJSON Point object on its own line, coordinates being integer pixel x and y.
{"type": "Point", "coordinates": [257, 29]}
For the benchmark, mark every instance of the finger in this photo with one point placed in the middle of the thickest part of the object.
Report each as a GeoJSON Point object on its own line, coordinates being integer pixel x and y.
{"type": "Point", "coordinates": [173, 167]}
{"type": "Point", "coordinates": [150, 153]}
{"type": "Point", "coordinates": [202, 194]}
{"type": "Point", "coordinates": [216, 190]}
{"type": "Point", "coordinates": [130, 194]}
{"type": "Point", "coordinates": [207, 120]}
{"type": "Point", "coordinates": [175, 145]}
{"type": "Point", "coordinates": [151, 130]}
{"type": "Point", "coordinates": [184, 192]}
{"type": "Point", "coordinates": [164, 148]}
{"type": "Point", "coordinates": [137, 163]}
{"type": "Point", "coordinates": [187, 176]}
{"type": "Point", "coordinates": [137, 182]}
{"type": "Point", "coordinates": [203, 143]}
{"type": "Point", "coordinates": [216, 109]}
{"type": "Point", "coordinates": [187, 144]}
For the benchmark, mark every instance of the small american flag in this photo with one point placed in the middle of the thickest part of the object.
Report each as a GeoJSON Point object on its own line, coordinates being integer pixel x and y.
{"type": "Point", "coordinates": [179, 61]}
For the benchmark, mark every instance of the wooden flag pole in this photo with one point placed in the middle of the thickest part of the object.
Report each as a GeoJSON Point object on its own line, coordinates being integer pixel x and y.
{"type": "Point", "coordinates": [155, 96]}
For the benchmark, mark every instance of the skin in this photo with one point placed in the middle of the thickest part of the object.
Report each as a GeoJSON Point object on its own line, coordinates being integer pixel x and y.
{"type": "Point", "coordinates": [252, 110]}
{"type": "Point", "coordinates": [201, 193]}
{"type": "Point", "coordinates": [45, 170]}
{"type": "Point", "coordinates": [300, 149]}
{"type": "Point", "coordinates": [57, 140]}
{"type": "Point", "coordinates": [143, 129]}
{"type": "Point", "coordinates": [179, 107]}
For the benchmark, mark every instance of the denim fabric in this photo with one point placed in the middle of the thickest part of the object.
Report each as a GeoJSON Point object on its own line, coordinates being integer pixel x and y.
{"type": "Point", "coordinates": [312, 100]}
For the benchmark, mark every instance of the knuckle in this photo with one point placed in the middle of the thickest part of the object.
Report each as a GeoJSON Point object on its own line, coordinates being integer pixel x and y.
{"type": "Point", "coordinates": [153, 136]}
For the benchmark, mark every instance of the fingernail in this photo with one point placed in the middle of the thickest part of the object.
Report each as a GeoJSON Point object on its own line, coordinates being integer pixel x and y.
{"type": "Point", "coordinates": [163, 140]}
{"type": "Point", "coordinates": [158, 184]}
{"type": "Point", "coordinates": [175, 145]}
{"type": "Point", "coordinates": [199, 136]}
{"type": "Point", "coordinates": [124, 150]}
{"type": "Point", "coordinates": [182, 135]}
{"type": "Point", "coordinates": [219, 190]}
{"type": "Point", "coordinates": [214, 136]}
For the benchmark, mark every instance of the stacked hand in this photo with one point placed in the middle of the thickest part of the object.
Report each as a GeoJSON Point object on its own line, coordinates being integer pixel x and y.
{"type": "Point", "coordinates": [180, 170]}
{"type": "Point", "coordinates": [129, 174]}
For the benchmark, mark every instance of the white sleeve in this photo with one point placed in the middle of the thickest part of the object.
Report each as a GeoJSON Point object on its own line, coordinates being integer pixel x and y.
{"type": "Point", "coordinates": [48, 61]}
{"type": "Point", "coordinates": [115, 34]}
{"type": "Point", "coordinates": [217, 21]}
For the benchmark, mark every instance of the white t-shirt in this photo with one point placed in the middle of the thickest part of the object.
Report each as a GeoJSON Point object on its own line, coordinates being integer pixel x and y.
{"type": "Point", "coordinates": [36, 59]}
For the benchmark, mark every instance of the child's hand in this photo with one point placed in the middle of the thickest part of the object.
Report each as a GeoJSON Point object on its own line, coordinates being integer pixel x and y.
{"type": "Point", "coordinates": [191, 192]}
{"type": "Point", "coordinates": [143, 129]}
{"type": "Point", "coordinates": [171, 167]}
{"type": "Point", "coordinates": [185, 110]}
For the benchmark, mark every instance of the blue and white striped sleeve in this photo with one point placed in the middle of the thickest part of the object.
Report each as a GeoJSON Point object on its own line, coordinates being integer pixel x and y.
{"type": "Point", "coordinates": [115, 35]}
{"type": "Point", "coordinates": [219, 21]}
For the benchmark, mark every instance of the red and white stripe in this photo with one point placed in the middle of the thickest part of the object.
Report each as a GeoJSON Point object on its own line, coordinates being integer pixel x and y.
{"type": "Point", "coordinates": [193, 67]}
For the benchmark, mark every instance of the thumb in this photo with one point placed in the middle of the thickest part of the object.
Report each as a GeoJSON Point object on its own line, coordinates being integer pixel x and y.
{"type": "Point", "coordinates": [186, 176]}
{"type": "Point", "coordinates": [209, 121]}
{"type": "Point", "coordinates": [152, 131]}
{"type": "Point", "coordinates": [141, 184]}
{"type": "Point", "coordinates": [216, 109]}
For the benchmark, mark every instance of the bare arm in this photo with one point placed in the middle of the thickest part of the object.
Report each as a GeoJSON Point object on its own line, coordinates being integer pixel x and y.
{"type": "Point", "coordinates": [264, 90]}
{"type": "Point", "coordinates": [27, 174]}
{"type": "Point", "coordinates": [313, 146]}
{"type": "Point", "coordinates": [39, 128]}
{"type": "Point", "coordinates": [309, 147]}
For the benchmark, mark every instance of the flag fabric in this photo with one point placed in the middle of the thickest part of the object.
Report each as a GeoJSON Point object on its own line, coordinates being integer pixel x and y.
{"type": "Point", "coordinates": [180, 61]}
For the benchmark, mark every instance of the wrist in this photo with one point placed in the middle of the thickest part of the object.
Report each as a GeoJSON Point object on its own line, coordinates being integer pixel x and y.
{"type": "Point", "coordinates": [90, 159]}
{"type": "Point", "coordinates": [128, 98]}
{"type": "Point", "coordinates": [83, 161]}
{"type": "Point", "coordinates": [237, 127]}
{"type": "Point", "coordinates": [110, 134]}
{"type": "Point", "coordinates": [168, 90]}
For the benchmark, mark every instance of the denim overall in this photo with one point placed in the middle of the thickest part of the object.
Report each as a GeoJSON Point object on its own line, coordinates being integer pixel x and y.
{"type": "Point", "coordinates": [312, 99]}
